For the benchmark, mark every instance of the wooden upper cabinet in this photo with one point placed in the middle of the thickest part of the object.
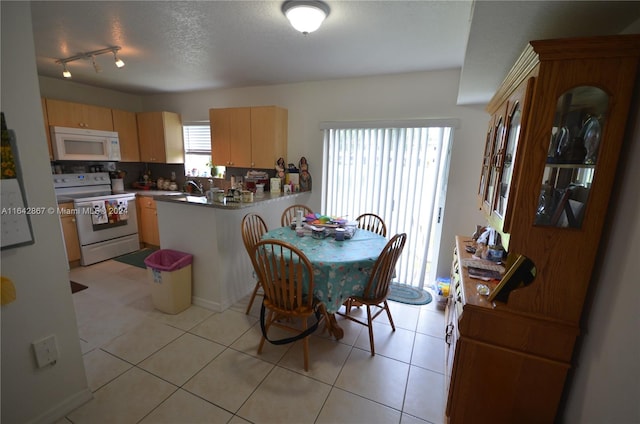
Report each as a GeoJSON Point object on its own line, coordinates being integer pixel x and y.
{"type": "Point", "coordinates": [160, 137]}
{"type": "Point", "coordinates": [231, 136]}
{"type": "Point", "coordinates": [248, 137]}
{"type": "Point", "coordinates": [506, 162]}
{"type": "Point", "coordinates": [46, 127]}
{"type": "Point", "coordinates": [269, 129]}
{"type": "Point", "coordinates": [77, 115]}
{"type": "Point", "coordinates": [126, 125]}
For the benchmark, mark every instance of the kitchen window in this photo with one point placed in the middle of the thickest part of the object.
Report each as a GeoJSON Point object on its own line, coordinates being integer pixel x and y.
{"type": "Point", "coordinates": [398, 171]}
{"type": "Point", "coordinates": [197, 150]}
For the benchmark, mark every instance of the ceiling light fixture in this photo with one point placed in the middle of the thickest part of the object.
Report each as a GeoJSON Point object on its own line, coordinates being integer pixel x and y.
{"type": "Point", "coordinates": [95, 65]}
{"type": "Point", "coordinates": [117, 60]}
{"type": "Point", "coordinates": [65, 71]}
{"type": "Point", "coordinates": [91, 56]}
{"type": "Point", "coordinates": [305, 16]}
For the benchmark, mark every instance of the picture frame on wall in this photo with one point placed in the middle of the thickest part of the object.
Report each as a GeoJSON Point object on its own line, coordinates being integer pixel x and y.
{"type": "Point", "coordinates": [15, 219]}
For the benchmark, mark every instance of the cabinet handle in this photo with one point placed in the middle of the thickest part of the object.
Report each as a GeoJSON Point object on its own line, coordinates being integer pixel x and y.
{"type": "Point", "coordinates": [73, 220]}
{"type": "Point", "coordinates": [448, 332]}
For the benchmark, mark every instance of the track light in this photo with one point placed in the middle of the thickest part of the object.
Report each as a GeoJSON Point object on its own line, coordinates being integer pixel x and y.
{"type": "Point", "coordinates": [65, 71]}
{"type": "Point", "coordinates": [97, 67]}
{"type": "Point", "coordinates": [119, 63]}
{"type": "Point", "coordinates": [91, 56]}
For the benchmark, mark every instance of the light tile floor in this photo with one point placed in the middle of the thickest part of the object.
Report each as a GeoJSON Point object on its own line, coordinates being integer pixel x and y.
{"type": "Point", "coordinates": [144, 366]}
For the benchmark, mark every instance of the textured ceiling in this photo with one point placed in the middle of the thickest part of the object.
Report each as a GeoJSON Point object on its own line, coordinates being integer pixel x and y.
{"type": "Point", "coordinates": [179, 46]}
{"type": "Point", "coordinates": [175, 46]}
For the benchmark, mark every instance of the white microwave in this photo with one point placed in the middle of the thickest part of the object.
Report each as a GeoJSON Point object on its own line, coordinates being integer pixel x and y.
{"type": "Point", "coordinates": [84, 145]}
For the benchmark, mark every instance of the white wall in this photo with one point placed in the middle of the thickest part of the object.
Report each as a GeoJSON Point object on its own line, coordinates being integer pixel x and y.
{"type": "Point", "coordinates": [406, 96]}
{"type": "Point", "coordinates": [43, 306]}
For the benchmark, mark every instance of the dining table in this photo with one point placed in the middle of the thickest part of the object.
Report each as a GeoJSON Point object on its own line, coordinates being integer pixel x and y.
{"type": "Point", "coordinates": [340, 268]}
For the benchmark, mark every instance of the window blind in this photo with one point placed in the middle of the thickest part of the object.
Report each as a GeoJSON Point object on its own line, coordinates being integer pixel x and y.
{"type": "Point", "coordinates": [197, 139]}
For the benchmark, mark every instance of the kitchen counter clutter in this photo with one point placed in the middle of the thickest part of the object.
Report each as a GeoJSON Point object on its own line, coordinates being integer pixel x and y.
{"type": "Point", "coordinates": [226, 204]}
{"type": "Point", "coordinates": [211, 231]}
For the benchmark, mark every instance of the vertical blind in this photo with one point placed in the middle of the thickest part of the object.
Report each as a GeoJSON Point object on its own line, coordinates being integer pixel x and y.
{"type": "Point", "coordinates": [394, 173]}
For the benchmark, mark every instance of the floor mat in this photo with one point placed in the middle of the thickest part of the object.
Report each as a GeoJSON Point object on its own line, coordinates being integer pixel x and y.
{"type": "Point", "coordinates": [76, 287]}
{"type": "Point", "coordinates": [404, 293]}
{"type": "Point", "coordinates": [136, 258]}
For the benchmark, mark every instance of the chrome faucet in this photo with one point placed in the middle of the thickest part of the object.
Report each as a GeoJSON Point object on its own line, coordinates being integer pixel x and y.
{"type": "Point", "coordinates": [195, 185]}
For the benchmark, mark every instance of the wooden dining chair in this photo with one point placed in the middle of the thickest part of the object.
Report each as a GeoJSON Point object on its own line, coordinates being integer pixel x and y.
{"type": "Point", "coordinates": [253, 227]}
{"type": "Point", "coordinates": [377, 289]}
{"type": "Point", "coordinates": [290, 213]}
{"type": "Point", "coordinates": [372, 222]}
{"type": "Point", "coordinates": [287, 280]}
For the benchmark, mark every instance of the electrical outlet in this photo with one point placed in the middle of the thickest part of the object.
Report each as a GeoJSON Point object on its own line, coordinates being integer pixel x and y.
{"type": "Point", "coordinates": [46, 351]}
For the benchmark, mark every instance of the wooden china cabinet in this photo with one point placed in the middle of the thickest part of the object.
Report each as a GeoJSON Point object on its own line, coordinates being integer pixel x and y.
{"type": "Point", "coordinates": [556, 130]}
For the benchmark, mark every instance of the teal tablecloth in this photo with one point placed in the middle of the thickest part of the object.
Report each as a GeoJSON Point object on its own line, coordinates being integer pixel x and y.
{"type": "Point", "coordinates": [341, 268]}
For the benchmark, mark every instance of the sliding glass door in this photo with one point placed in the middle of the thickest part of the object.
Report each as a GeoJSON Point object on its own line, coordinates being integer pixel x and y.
{"type": "Point", "coordinates": [397, 171]}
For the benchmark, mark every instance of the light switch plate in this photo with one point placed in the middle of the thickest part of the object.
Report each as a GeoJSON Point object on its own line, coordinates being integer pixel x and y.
{"type": "Point", "coordinates": [46, 351]}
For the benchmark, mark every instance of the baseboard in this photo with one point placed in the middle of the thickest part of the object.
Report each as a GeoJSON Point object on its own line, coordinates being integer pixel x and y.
{"type": "Point", "coordinates": [65, 407]}
{"type": "Point", "coordinates": [207, 304]}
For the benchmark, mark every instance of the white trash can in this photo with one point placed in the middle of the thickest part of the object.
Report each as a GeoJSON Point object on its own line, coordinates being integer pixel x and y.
{"type": "Point", "coordinates": [169, 272]}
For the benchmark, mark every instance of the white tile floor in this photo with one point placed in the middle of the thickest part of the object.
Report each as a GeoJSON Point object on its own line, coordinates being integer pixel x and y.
{"type": "Point", "coordinates": [144, 366]}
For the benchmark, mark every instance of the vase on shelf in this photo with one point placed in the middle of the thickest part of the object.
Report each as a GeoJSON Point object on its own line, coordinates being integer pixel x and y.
{"type": "Point", "coordinates": [575, 152]}
{"type": "Point", "coordinates": [590, 133]}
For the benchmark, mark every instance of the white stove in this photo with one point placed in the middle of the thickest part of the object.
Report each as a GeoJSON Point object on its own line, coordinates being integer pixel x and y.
{"type": "Point", "coordinates": [106, 221]}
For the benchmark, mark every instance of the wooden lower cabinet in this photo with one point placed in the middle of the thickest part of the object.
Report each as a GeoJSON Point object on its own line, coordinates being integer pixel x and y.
{"type": "Point", "coordinates": [502, 365]}
{"type": "Point", "coordinates": [491, 384]}
{"type": "Point", "coordinates": [70, 233]}
{"type": "Point", "coordinates": [148, 221]}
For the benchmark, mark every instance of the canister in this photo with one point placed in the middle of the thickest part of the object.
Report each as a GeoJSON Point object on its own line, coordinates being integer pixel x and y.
{"type": "Point", "coordinates": [247, 196]}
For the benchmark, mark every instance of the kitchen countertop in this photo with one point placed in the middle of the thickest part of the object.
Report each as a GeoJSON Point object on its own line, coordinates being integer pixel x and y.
{"type": "Point", "coordinates": [202, 200]}
{"type": "Point", "coordinates": [153, 193]}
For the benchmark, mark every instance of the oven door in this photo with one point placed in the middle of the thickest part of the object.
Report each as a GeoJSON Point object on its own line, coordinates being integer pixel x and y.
{"type": "Point", "coordinates": [105, 219]}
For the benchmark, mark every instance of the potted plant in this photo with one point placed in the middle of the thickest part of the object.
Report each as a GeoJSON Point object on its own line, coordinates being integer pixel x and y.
{"type": "Point", "coordinates": [212, 168]}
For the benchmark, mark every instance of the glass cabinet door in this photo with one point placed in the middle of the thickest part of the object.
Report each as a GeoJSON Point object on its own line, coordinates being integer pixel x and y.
{"type": "Point", "coordinates": [507, 159]}
{"type": "Point", "coordinates": [489, 196]}
{"type": "Point", "coordinates": [572, 157]}
{"type": "Point", "coordinates": [484, 173]}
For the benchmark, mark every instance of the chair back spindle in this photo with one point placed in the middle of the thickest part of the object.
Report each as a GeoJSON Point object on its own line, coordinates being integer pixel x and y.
{"type": "Point", "coordinates": [253, 227]}
{"type": "Point", "coordinates": [372, 222]}
{"type": "Point", "coordinates": [290, 213]}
